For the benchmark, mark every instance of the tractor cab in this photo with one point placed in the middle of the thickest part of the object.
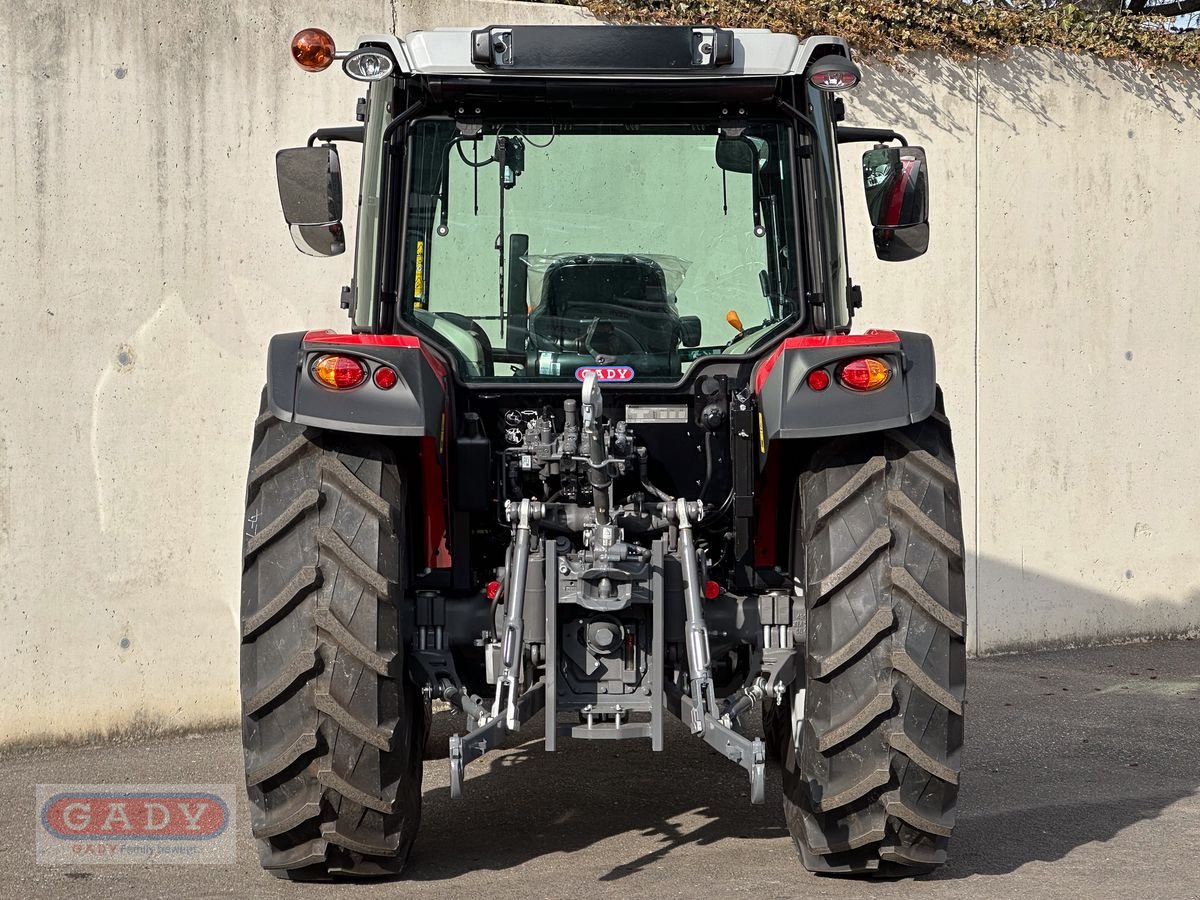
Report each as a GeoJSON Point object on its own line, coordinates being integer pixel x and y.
{"type": "Point", "coordinates": [535, 181]}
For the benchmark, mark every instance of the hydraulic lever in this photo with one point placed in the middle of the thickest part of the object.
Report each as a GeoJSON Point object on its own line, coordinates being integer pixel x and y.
{"type": "Point", "coordinates": [598, 475]}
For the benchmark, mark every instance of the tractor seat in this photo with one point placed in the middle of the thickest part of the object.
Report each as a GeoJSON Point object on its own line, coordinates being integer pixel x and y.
{"type": "Point", "coordinates": [627, 290]}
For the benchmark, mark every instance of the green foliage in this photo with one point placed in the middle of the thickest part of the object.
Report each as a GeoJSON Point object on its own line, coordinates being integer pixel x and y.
{"type": "Point", "coordinates": [884, 29]}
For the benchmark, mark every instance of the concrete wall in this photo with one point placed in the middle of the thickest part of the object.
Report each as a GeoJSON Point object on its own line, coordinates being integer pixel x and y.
{"type": "Point", "coordinates": [143, 267]}
{"type": "Point", "coordinates": [1060, 289]}
{"type": "Point", "coordinates": [145, 264]}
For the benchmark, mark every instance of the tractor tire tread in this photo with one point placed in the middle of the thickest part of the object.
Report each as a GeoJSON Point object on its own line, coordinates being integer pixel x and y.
{"type": "Point", "coordinates": [872, 788]}
{"type": "Point", "coordinates": [330, 718]}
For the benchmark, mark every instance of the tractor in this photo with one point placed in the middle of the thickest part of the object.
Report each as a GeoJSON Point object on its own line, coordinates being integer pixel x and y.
{"type": "Point", "coordinates": [599, 444]}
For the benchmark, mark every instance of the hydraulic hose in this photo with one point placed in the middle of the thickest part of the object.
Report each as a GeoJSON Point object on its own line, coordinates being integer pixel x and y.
{"type": "Point", "coordinates": [644, 475]}
{"type": "Point", "coordinates": [708, 465]}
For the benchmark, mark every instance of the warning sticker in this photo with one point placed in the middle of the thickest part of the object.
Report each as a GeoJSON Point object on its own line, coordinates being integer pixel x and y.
{"type": "Point", "coordinates": [419, 274]}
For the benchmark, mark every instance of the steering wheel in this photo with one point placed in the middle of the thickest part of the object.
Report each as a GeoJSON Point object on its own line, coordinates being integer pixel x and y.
{"type": "Point", "coordinates": [619, 331]}
{"type": "Point", "coordinates": [551, 333]}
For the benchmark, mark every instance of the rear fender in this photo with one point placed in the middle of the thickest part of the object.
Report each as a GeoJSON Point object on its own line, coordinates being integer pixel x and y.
{"type": "Point", "coordinates": [413, 407]}
{"type": "Point", "coordinates": [791, 409]}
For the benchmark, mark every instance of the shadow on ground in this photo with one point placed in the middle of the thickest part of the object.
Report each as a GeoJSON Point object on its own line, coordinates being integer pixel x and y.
{"type": "Point", "coordinates": [1064, 749]}
{"type": "Point", "coordinates": [528, 803]}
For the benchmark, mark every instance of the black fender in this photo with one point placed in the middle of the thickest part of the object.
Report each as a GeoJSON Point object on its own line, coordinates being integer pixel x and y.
{"type": "Point", "coordinates": [791, 409]}
{"type": "Point", "coordinates": [413, 407]}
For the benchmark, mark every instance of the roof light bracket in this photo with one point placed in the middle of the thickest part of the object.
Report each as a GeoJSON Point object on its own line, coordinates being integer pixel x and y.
{"type": "Point", "coordinates": [714, 47]}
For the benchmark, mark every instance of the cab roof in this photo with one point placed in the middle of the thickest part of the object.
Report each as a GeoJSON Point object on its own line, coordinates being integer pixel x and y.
{"type": "Point", "coordinates": [606, 52]}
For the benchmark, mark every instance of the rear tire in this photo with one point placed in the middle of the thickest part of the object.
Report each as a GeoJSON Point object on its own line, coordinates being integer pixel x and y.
{"type": "Point", "coordinates": [331, 727]}
{"type": "Point", "coordinates": [871, 781]}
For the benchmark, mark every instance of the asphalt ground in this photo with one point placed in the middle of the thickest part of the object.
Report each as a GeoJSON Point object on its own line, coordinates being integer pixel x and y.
{"type": "Point", "coordinates": [1082, 779]}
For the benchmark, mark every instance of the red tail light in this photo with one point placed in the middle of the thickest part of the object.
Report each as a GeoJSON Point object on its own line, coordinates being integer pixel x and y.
{"type": "Point", "coordinates": [866, 374]}
{"type": "Point", "coordinates": [385, 378]}
{"type": "Point", "coordinates": [818, 379]}
{"type": "Point", "coordinates": [339, 372]}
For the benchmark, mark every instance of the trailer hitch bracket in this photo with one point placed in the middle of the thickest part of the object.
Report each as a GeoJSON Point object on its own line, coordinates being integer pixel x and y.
{"type": "Point", "coordinates": [489, 735]}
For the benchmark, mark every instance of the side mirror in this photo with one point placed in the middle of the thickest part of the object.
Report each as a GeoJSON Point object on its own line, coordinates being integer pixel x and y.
{"type": "Point", "coordinates": [319, 240]}
{"type": "Point", "coordinates": [741, 154]}
{"type": "Point", "coordinates": [896, 182]}
{"type": "Point", "coordinates": [689, 331]}
{"type": "Point", "coordinates": [310, 191]}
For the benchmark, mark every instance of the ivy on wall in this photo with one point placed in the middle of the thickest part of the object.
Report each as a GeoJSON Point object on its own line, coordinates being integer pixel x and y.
{"type": "Point", "coordinates": [883, 29]}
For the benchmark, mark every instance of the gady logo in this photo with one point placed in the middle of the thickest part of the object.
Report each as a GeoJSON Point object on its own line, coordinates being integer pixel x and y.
{"type": "Point", "coordinates": [135, 817]}
{"type": "Point", "coordinates": [136, 824]}
{"type": "Point", "coordinates": [606, 373]}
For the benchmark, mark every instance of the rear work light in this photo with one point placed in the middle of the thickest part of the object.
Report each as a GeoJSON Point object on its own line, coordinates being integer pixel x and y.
{"type": "Point", "coordinates": [368, 64]}
{"type": "Point", "coordinates": [339, 373]}
{"type": "Point", "coordinates": [834, 73]}
{"type": "Point", "coordinates": [866, 374]}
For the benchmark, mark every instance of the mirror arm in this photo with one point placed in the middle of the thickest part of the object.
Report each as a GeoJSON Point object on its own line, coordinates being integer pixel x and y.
{"type": "Point", "coordinates": [849, 134]}
{"type": "Point", "coordinates": [404, 116]}
{"type": "Point", "coordinates": [797, 115]}
{"type": "Point", "coordinates": [353, 133]}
